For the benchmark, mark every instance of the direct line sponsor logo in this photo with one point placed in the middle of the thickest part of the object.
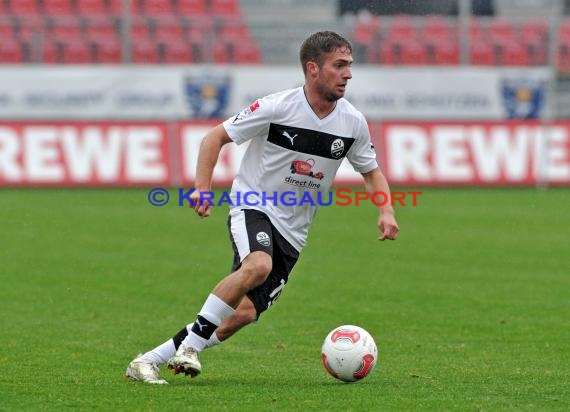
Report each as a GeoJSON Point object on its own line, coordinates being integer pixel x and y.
{"type": "Point", "coordinates": [339, 197]}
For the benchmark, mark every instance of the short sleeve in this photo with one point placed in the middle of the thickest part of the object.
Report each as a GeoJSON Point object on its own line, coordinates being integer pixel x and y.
{"type": "Point", "coordinates": [362, 155]}
{"type": "Point", "coordinates": [253, 121]}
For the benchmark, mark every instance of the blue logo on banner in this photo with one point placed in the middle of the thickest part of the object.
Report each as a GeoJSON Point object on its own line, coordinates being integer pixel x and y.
{"type": "Point", "coordinates": [207, 96]}
{"type": "Point", "coordinates": [523, 98]}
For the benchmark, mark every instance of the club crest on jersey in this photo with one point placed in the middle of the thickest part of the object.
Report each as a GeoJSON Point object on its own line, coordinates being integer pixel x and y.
{"type": "Point", "coordinates": [337, 148]}
{"type": "Point", "coordinates": [263, 239]}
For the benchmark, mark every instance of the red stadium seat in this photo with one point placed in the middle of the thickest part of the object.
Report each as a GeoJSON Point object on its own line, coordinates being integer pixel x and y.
{"type": "Point", "coordinates": [100, 31]}
{"type": "Point", "coordinates": [366, 30]}
{"type": "Point", "coordinates": [387, 53]}
{"type": "Point", "coordinates": [7, 32]}
{"type": "Point", "coordinates": [246, 52]}
{"type": "Point", "coordinates": [402, 29]}
{"type": "Point", "coordinates": [65, 30]}
{"type": "Point", "coordinates": [220, 53]}
{"type": "Point", "coordinates": [177, 52]}
{"type": "Point", "coordinates": [224, 8]}
{"type": "Point", "coordinates": [76, 52]}
{"type": "Point", "coordinates": [191, 8]}
{"type": "Point", "coordinates": [413, 53]}
{"type": "Point", "coordinates": [114, 7]}
{"type": "Point", "coordinates": [51, 51]}
{"type": "Point", "coordinates": [107, 52]}
{"type": "Point", "coordinates": [57, 7]}
{"type": "Point", "coordinates": [438, 28]}
{"type": "Point", "coordinates": [140, 33]}
{"type": "Point", "coordinates": [11, 51]}
{"type": "Point", "coordinates": [24, 8]}
{"type": "Point", "coordinates": [234, 31]}
{"type": "Point", "coordinates": [91, 8]}
{"type": "Point", "coordinates": [514, 54]}
{"type": "Point", "coordinates": [481, 53]}
{"type": "Point", "coordinates": [167, 32]}
{"type": "Point", "coordinates": [144, 53]}
{"type": "Point", "coordinates": [501, 30]}
{"type": "Point", "coordinates": [445, 53]}
{"type": "Point", "coordinates": [157, 7]}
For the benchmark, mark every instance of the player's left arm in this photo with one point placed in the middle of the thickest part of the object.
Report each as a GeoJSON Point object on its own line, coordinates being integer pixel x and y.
{"type": "Point", "coordinates": [375, 181]}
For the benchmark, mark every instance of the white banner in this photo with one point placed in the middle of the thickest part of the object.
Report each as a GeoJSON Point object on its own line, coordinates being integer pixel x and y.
{"type": "Point", "coordinates": [202, 92]}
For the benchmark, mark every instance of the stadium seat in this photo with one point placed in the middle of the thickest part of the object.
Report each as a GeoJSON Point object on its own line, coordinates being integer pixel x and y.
{"type": "Point", "coordinates": [76, 52]}
{"type": "Point", "coordinates": [444, 53]}
{"type": "Point", "coordinates": [140, 33]}
{"type": "Point", "coordinates": [115, 7]}
{"type": "Point", "coordinates": [413, 53]}
{"type": "Point", "coordinates": [50, 52]}
{"type": "Point", "coordinates": [144, 53]}
{"type": "Point", "coordinates": [167, 32]}
{"type": "Point", "coordinates": [191, 8]}
{"type": "Point", "coordinates": [234, 31]}
{"type": "Point", "coordinates": [100, 31]}
{"type": "Point", "coordinates": [481, 53]}
{"type": "Point", "coordinates": [64, 30]}
{"type": "Point", "coordinates": [11, 51]}
{"type": "Point", "coordinates": [438, 28]}
{"type": "Point", "coordinates": [501, 30]}
{"type": "Point", "coordinates": [387, 54]}
{"type": "Point", "coordinates": [7, 32]}
{"type": "Point", "coordinates": [91, 8]}
{"type": "Point", "coordinates": [107, 52]}
{"type": "Point", "coordinates": [402, 29]}
{"type": "Point", "coordinates": [178, 52]}
{"type": "Point", "coordinates": [514, 54]}
{"type": "Point", "coordinates": [224, 8]}
{"type": "Point", "coordinates": [157, 7]}
{"type": "Point", "coordinates": [366, 30]}
{"type": "Point", "coordinates": [24, 8]}
{"type": "Point", "coordinates": [245, 52]}
{"type": "Point", "coordinates": [57, 7]}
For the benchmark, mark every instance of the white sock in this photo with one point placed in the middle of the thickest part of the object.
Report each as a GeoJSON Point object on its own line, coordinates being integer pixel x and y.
{"type": "Point", "coordinates": [160, 354]}
{"type": "Point", "coordinates": [213, 313]}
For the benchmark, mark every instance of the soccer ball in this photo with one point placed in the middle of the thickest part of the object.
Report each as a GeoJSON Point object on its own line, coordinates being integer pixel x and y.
{"type": "Point", "coordinates": [349, 353]}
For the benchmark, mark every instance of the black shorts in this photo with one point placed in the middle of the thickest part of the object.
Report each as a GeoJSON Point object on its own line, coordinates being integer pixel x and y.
{"type": "Point", "coordinates": [250, 231]}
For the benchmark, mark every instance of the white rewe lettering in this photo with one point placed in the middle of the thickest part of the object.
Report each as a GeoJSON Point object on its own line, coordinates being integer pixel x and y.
{"type": "Point", "coordinates": [450, 156]}
{"type": "Point", "coordinates": [10, 170]}
{"type": "Point", "coordinates": [92, 155]}
{"type": "Point", "coordinates": [41, 156]}
{"type": "Point", "coordinates": [144, 161]}
{"type": "Point", "coordinates": [497, 151]}
{"type": "Point", "coordinates": [408, 149]}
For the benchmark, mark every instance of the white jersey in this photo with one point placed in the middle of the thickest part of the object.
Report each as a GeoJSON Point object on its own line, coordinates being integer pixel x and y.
{"type": "Point", "coordinates": [293, 153]}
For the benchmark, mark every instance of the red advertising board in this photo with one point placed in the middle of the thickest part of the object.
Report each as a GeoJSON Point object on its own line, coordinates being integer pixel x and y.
{"type": "Point", "coordinates": [475, 153]}
{"type": "Point", "coordinates": [90, 154]}
{"type": "Point", "coordinates": [165, 154]}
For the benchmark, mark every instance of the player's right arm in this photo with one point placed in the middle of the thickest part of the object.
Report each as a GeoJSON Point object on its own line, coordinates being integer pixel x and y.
{"type": "Point", "coordinates": [208, 155]}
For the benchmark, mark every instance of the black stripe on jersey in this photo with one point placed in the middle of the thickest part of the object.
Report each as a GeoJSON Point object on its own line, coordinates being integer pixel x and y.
{"type": "Point", "coordinates": [308, 141]}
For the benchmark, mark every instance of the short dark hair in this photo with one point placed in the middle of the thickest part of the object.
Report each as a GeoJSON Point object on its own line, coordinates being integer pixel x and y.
{"type": "Point", "coordinates": [317, 45]}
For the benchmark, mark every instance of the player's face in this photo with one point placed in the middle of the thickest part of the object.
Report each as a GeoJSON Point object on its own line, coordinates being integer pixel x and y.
{"type": "Point", "coordinates": [334, 74]}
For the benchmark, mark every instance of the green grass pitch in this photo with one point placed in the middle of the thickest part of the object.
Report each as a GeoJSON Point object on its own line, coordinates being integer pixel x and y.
{"type": "Point", "coordinates": [470, 307]}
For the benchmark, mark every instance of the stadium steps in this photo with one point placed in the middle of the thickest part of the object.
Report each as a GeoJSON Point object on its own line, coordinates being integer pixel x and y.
{"type": "Point", "coordinates": [279, 26]}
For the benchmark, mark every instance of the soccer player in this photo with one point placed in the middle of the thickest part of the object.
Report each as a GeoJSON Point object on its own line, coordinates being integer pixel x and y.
{"type": "Point", "coordinates": [298, 139]}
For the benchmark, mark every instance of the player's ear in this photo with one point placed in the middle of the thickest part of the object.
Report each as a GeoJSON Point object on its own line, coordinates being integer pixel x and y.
{"type": "Point", "coordinates": [312, 67]}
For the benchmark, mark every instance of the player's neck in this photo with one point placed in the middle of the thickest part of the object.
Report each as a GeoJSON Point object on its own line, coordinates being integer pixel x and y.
{"type": "Point", "coordinates": [320, 106]}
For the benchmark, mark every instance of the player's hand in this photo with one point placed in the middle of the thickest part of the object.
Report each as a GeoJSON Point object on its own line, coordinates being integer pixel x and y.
{"type": "Point", "coordinates": [388, 227]}
{"type": "Point", "coordinates": [202, 207]}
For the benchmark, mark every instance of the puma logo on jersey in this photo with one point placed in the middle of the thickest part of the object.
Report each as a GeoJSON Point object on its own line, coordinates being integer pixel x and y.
{"type": "Point", "coordinates": [288, 136]}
